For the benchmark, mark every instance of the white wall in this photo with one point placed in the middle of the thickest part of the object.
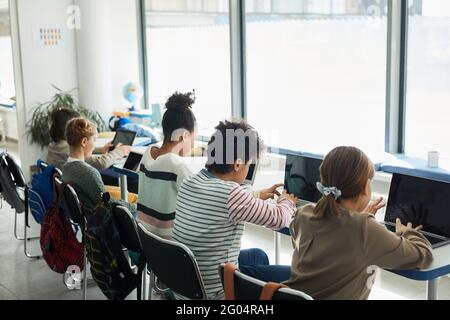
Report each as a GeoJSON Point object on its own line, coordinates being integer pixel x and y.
{"type": "Point", "coordinates": [107, 47]}
{"type": "Point", "coordinates": [99, 59]}
{"type": "Point", "coordinates": [35, 68]}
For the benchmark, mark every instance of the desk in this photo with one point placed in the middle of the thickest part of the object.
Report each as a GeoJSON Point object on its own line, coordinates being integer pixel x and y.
{"type": "Point", "coordinates": [138, 142]}
{"type": "Point", "coordinates": [418, 167]}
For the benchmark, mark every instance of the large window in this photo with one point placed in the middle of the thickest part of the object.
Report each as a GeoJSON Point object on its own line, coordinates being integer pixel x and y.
{"type": "Point", "coordinates": [188, 47]}
{"type": "Point", "coordinates": [316, 72]}
{"type": "Point", "coordinates": [428, 86]}
{"type": "Point", "coordinates": [7, 89]}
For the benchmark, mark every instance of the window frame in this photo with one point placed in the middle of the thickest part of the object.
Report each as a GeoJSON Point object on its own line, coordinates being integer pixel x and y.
{"type": "Point", "coordinates": [396, 68]}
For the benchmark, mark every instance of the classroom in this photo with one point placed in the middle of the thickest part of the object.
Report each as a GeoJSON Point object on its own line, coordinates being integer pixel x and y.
{"type": "Point", "coordinates": [224, 150]}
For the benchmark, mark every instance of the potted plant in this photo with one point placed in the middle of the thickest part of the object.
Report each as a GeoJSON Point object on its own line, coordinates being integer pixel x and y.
{"type": "Point", "coordinates": [39, 125]}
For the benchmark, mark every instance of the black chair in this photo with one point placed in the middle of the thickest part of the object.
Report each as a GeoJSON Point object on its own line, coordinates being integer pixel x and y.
{"type": "Point", "coordinates": [15, 193]}
{"type": "Point", "coordinates": [128, 231]}
{"type": "Point", "coordinates": [174, 264]}
{"type": "Point", "coordinates": [72, 207]}
{"type": "Point", "coordinates": [248, 288]}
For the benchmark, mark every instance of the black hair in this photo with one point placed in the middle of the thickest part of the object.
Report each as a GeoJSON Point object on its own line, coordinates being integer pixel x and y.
{"type": "Point", "coordinates": [59, 118]}
{"type": "Point", "coordinates": [245, 143]}
{"type": "Point", "coordinates": [179, 114]}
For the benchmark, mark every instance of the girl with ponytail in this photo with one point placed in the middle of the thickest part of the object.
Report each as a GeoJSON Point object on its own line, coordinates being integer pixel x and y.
{"type": "Point", "coordinates": [338, 241]}
{"type": "Point", "coordinates": [164, 168]}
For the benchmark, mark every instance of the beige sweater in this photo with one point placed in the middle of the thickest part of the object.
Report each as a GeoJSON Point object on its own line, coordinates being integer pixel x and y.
{"type": "Point", "coordinates": [58, 153]}
{"type": "Point", "coordinates": [334, 257]}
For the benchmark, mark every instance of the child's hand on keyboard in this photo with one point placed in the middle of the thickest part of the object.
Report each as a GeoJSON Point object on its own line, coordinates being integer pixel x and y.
{"type": "Point", "coordinates": [288, 196]}
{"type": "Point", "coordinates": [270, 193]}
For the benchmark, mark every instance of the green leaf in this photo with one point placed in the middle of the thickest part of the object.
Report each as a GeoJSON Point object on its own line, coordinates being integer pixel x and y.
{"type": "Point", "coordinates": [38, 127]}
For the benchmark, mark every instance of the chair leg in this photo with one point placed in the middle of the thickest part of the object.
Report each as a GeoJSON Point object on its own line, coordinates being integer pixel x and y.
{"type": "Point", "coordinates": [152, 285]}
{"type": "Point", "coordinates": [16, 233]}
{"type": "Point", "coordinates": [85, 274]}
{"type": "Point", "coordinates": [15, 228]}
{"type": "Point", "coordinates": [25, 241]}
{"type": "Point", "coordinates": [144, 284]}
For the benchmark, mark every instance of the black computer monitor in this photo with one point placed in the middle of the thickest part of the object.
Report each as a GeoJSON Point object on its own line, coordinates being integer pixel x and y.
{"type": "Point", "coordinates": [251, 175]}
{"type": "Point", "coordinates": [133, 161]}
{"type": "Point", "coordinates": [301, 176]}
{"type": "Point", "coordinates": [420, 201]}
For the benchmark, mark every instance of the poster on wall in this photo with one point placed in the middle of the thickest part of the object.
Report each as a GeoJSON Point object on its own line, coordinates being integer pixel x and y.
{"type": "Point", "coordinates": [49, 37]}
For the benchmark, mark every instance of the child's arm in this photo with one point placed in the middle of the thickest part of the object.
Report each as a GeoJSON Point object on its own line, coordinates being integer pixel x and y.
{"type": "Point", "coordinates": [244, 207]}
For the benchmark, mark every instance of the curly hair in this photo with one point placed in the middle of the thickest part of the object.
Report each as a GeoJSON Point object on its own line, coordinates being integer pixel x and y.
{"type": "Point", "coordinates": [179, 114]}
{"type": "Point", "coordinates": [78, 129]}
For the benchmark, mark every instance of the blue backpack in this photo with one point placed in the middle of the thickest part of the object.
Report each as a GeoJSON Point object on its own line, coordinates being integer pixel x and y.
{"type": "Point", "coordinates": [40, 195]}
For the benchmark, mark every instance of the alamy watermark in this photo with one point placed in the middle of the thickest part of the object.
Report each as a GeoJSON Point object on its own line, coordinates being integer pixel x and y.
{"type": "Point", "coordinates": [74, 18]}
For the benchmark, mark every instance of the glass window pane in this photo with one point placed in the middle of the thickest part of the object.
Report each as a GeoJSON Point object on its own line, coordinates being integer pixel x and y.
{"type": "Point", "coordinates": [428, 90]}
{"type": "Point", "coordinates": [188, 47]}
{"type": "Point", "coordinates": [7, 89]}
{"type": "Point", "coordinates": [316, 72]}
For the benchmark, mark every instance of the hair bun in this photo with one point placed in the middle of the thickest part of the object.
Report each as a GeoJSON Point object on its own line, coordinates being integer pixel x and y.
{"type": "Point", "coordinates": [180, 102]}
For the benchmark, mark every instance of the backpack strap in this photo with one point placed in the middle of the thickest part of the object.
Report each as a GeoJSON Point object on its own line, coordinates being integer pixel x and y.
{"type": "Point", "coordinates": [270, 289]}
{"type": "Point", "coordinates": [228, 281]}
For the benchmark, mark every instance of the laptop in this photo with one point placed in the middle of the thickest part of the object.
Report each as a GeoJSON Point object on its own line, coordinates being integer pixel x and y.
{"type": "Point", "coordinates": [301, 176]}
{"type": "Point", "coordinates": [251, 175]}
{"type": "Point", "coordinates": [124, 137]}
{"type": "Point", "coordinates": [133, 161]}
{"type": "Point", "coordinates": [422, 202]}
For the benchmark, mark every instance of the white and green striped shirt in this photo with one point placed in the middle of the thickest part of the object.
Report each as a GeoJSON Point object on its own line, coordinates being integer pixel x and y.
{"type": "Point", "coordinates": [159, 181]}
{"type": "Point", "coordinates": [210, 220]}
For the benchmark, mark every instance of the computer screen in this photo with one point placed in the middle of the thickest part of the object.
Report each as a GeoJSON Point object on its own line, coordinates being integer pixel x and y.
{"type": "Point", "coordinates": [250, 179]}
{"type": "Point", "coordinates": [301, 176]}
{"type": "Point", "coordinates": [124, 137]}
{"type": "Point", "coordinates": [133, 161]}
{"type": "Point", "coordinates": [420, 201]}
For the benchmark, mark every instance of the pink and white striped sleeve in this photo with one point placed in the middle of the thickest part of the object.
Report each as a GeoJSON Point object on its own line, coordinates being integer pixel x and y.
{"type": "Point", "coordinates": [244, 207]}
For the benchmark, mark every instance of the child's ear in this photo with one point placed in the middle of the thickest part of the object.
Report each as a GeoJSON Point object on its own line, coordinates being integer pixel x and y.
{"type": "Point", "coordinates": [367, 187]}
{"type": "Point", "coordinates": [84, 142]}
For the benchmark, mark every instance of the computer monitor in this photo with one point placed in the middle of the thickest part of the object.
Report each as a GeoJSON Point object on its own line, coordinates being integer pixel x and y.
{"type": "Point", "coordinates": [124, 137]}
{"type": "Point", "coordinates": [422, 202]}
{"type": "Point", "coordinates": [133, 161]}
{"type": "Point", "coordinates": [250, 178]}
{"type": "Point", "coordinates": [301, 176]}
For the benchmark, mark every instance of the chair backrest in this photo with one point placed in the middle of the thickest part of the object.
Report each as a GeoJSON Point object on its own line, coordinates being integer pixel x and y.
{"type": "Point", "coordinates": [15, 170]}
{"type": "Point", "coordinates": [71, 203]}
{"type": "Point", "coordinates": [128, 230]}
{"type": "Point", "coordinates": [12, 180]}
{"type": "Point", "coordinates": [174, 264]}
{"type": "Point", "coordinates": [248, 288]}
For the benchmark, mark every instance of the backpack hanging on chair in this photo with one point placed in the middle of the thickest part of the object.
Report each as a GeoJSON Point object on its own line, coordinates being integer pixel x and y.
{"type": "Point", "coordinates": [40, 195]}
{"type": "Point", "coordinates": [59, 245]}
{"type": "Point", "coordinates": [109, 266]}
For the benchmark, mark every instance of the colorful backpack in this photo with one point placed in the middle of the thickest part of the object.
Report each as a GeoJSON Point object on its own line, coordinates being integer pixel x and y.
{"type": "Point", "coordinates": [59, 245]}
{"type": "Point", "coordinates": [40, 195]}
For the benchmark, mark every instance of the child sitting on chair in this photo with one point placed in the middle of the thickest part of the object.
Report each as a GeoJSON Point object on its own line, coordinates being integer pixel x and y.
{"type": "Point", "coordinates": [85, 179]}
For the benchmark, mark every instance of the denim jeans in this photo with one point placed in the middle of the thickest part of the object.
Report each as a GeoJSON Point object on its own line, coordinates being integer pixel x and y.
{"type": "Point", "coordinates": [255, 263]}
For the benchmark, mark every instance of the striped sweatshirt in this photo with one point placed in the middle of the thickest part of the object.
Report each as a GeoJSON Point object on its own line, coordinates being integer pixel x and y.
{"type": "Point", "coordinates": [159, 181]}
{"type": "Point", "coordinates": [210, 221]}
